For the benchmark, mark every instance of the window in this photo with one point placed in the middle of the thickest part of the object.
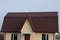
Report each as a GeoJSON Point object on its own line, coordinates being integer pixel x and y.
{"type": "Point", "coordinates": [14, 37]}
{"type": "Point", "coordinates": [1, 37]}
{"type": "Point", "coordinates": [44, 36]}
{"type": "Point", "coordinates": [27, 36]}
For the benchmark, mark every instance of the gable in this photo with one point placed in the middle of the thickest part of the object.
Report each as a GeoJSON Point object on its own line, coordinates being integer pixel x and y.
{"type": "Point", "coordinates": [26, 29]}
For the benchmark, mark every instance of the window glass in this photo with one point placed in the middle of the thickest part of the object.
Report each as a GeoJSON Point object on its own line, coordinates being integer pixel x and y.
{"type": "Point", "coordinates": [11, 36]}
{"type": "Point", "coordinates": [44, 36]}
{"type": "Point", "coordinates": [47, 36]}
{"type": "Point", "coordinates": [14, 37]}
{"type": "Point", "coordinates": [1, 37]}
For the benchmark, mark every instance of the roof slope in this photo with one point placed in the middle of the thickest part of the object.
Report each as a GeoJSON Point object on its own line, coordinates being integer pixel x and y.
{"type": "Point", "coordinates": [39, 21]}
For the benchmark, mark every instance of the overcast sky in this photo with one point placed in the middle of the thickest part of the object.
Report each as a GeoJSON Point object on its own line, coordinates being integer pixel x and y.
{"type": "Point", "coordinates": [28, 6]}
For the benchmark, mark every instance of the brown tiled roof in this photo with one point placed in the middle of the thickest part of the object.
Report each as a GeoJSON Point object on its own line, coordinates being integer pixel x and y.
{"type": "Point", "coordinates": [39, 21]}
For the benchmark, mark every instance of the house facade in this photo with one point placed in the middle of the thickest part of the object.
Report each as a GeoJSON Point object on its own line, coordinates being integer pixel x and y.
{"type": "Point", "coordinates": [30, 26]}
